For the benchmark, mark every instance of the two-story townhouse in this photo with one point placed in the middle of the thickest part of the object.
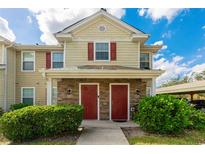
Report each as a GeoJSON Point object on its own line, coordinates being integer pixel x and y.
{"type": "Point", "coordinates": [101, 62]}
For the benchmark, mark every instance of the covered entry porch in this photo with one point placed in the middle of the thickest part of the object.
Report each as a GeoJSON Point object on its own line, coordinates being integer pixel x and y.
{"type": "Point", "coordinates": [106, 94]}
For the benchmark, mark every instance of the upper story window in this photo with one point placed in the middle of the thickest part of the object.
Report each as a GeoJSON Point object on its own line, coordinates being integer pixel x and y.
{"type": "Point", "coordinates": [28, 61]}
{"type": "Point", "coordinates": [28, 95]}
{"type": "Point", "coordinates": [57, 60]}
{"type": "Point", "coordinates": [102, 51]}
{"type": "Point", "coordinates": [144, 61]}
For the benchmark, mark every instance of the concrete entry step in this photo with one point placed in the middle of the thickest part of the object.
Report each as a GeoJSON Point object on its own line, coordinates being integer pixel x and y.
{"type": "Point", "coordinates": [103, 133]}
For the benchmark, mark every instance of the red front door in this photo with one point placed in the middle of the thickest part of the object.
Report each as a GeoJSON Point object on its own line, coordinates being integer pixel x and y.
{"type": "Point", "coordinates": [89, 101]}
{"type": "Point", "coordinates": [119, 100]}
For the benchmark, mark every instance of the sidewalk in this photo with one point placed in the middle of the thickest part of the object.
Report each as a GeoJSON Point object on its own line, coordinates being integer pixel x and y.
{"type": "Point", "coordinates": [103, 133]}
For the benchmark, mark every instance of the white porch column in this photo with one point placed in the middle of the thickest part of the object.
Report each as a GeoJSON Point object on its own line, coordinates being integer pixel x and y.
{"type": "Point", "coordinates": [49, 91]}
{"type": "Point", "coordinates": [153, 86]}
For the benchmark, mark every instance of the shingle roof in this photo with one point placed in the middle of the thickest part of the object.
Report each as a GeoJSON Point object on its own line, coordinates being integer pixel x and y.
{"type": "Point", "coordinates": [71, 25]}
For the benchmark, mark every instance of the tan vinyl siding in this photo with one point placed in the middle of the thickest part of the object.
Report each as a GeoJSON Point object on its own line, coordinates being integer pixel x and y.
{"type": "Point", "coordinates": [127, 51]}
{"type": "Point", "coordinates": [127, 54]}
{"type": "Point", "coordinates": [32, 79]}
{"type": "Point", "coordinates": [2, 88]}
{"type": "Point", "coordinates": [11, 59]}
{"type": "Point", "coordinates": [91, 30]}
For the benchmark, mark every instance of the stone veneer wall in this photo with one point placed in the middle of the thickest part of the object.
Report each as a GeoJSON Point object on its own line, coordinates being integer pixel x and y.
{"type": "Point", "coordinates": [65, 84]}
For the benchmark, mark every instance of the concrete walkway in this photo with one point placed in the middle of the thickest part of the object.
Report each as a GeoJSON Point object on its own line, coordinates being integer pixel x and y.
{"type": "Point", "coordinates": [103, 133]}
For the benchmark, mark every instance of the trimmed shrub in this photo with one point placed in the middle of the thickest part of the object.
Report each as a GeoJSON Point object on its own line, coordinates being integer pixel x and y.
{"type": "Point", "coordinates": [164, 114]}
{"type": "Point", "coordinates": [40, 121]}
{"type": "Point", "coordinates": [1, 111]}
{"type": "Point", "coordinates": [197, 118]}
{"type": "Point", "coordinates": [18, 106]}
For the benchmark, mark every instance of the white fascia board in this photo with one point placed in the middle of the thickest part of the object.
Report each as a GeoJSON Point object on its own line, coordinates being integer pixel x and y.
{"type": "Point", "coordinates": [140, 37]}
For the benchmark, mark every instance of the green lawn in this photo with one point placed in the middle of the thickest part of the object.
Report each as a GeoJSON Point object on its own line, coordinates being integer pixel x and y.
{"type": "Point", "coordinates": [58, 140]}
{"type": "Point", "coordinates": [189, 137]}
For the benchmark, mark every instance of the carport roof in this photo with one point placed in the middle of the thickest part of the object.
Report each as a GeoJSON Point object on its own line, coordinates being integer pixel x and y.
{"type": "Point", "coordinates": [196, 87]}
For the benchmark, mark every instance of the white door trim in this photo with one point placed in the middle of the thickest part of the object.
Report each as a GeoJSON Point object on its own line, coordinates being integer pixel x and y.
{"type": "Point", "coordinates": [128, 99]}
{"type": "Point", "coordinates": [98, 94]}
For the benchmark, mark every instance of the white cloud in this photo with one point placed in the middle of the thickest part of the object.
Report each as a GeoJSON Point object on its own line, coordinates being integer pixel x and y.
{"type": "Point", "coordinates": [164, 47]}
{"type": "Point", "coordinates": [160, 43]}
{"type": "Point", "coordinates": [201, 49]}
{"type": "Point", "coordinates": [198, 68]}
{"type": "Point", "coordinates": [141, 12]}
{"type": "Point", "coordinates": [53, 20]}
{"type": "Point", "coordinates": [157, 14]}
{"type": "Point", "coordinates": [203, 27]}
{"type": "Point", "coordinates": [167, 34]}
{"type": "Point", "coordinates": [5, 31]}
{"type": "Point", "coordinates": [117, 12]}
{"type": "Point", "coordinates": [173, 68]}
{"type": "Point", "coordinates": [191, 61]}
{"type": "Point", "coordinates": [177, 59]}
{"type": "Point", "coordinates": [199, 56]}
{"type": "Point", "coordinates": [29, 19]}
{"type": "Point", "coordinates": [158, 55]}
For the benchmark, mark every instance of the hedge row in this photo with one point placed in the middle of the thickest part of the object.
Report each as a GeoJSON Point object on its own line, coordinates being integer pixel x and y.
{"type": "Point", "coordinates": [166, 114]}
{"type": "Point", "coordinates": [18, 106]}
{"type": "Point", "coordinates": [39, 121]}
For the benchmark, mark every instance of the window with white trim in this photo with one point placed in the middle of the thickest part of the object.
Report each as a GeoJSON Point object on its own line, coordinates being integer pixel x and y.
{"type": "Point", "coordinates": [102, 51]}
{"type": "Point", "coordinates": [28, 96]}
{"type": "Point", "coordinates": [57, 59]}
{"type": "Point", "coordinates": [28, 61]}
{"type": "Point", "coordinates": [144, 61]}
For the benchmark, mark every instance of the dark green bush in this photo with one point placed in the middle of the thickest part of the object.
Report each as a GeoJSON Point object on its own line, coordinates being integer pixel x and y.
{"type": "Point", "coordinates": [197, 118]}
{"type": "Point", "coordinates": [38, 121]}
{"type": "Point", "coordinates": [164, 114]}
{"type": "Point", "coordinates": [1, 111]}
{"type": "Point", "coordinates": [18, 106]}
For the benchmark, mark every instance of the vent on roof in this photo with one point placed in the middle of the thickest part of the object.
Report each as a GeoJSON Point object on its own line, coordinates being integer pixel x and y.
{"type": "Point", "coordinates": [104, 9]}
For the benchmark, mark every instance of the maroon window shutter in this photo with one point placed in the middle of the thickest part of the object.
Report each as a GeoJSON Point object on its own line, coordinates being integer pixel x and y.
{"type": "Point", "coordinates": [48, 60]}
{"type": "Point", "coordinates": [90, 51]}
{"type": "Point", "coordinates": [113, 48]}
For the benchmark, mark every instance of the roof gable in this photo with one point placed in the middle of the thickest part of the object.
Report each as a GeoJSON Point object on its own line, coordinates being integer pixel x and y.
{"type": "Point", "coordinates": [94, 16]}
{"type": "Point", "coordinates": [91, 30]}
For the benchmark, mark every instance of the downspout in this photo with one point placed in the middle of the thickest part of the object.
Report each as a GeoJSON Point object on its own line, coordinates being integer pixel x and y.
{"type": "Point", "coordinates": [5, 76]}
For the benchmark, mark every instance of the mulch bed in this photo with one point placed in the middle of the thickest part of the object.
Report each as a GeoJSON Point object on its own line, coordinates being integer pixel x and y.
{"type": "Point", "coordinates": [63, 139]}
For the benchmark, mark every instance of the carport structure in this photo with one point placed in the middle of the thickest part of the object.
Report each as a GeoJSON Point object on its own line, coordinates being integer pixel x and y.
{"type": "Point", "coordinates": [191, 88]}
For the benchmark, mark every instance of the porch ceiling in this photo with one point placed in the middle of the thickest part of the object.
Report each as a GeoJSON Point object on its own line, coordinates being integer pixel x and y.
{"type": "Point", "coordinates": [100, 72]}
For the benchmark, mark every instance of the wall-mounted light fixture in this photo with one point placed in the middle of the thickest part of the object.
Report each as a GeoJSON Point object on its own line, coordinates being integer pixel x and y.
{"type": "Point", "coordinates": [137, 91]}
{"type": "Point", "coordinates": [69, 91]}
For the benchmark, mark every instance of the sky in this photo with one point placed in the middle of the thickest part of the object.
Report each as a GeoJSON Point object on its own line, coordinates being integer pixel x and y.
{"type": "Point", "coordinates": [180, 31]}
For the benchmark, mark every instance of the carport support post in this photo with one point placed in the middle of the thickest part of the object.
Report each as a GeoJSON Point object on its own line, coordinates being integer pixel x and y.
{"type": "Point", "coordinates": [153, 86]}
{"type": "Point", "coordinates": [192, 96]}
{"type": "Point", "coordinates": [49, 91]}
